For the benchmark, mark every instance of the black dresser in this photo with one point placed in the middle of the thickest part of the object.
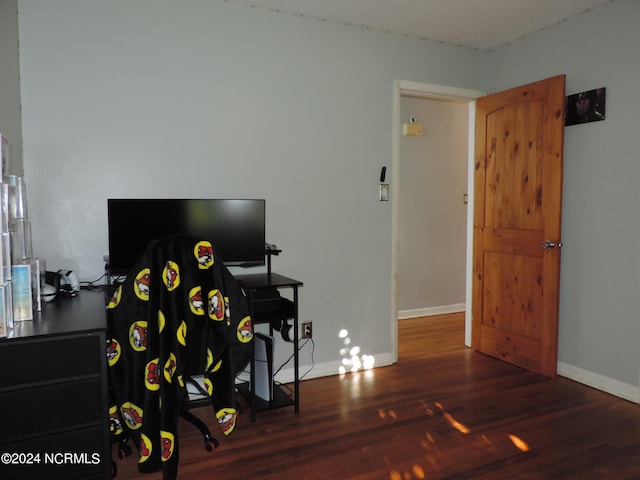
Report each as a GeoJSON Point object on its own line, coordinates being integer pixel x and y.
{"type": "Point", "coordinates": [53, 393]}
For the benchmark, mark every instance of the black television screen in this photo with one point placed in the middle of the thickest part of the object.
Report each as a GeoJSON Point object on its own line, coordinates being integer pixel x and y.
{"type": "Point", "coordinates": [236, 227]}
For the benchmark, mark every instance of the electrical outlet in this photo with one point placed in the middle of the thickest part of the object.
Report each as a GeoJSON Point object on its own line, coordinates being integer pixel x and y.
{"type": "Point", "coordinates": [307, 329]}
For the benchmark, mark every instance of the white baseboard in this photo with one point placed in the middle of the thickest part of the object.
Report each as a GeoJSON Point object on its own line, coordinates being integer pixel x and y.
{"type": "Point", "coordinates": [430, 311]}
{"type": "Point", "coordinates": [600, 382]}
{"type": "Point", "coordinates": [327, 369]}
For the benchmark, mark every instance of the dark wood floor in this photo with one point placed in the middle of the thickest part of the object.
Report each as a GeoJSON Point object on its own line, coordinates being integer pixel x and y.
{"type": "Point", "coordinates": [443, 412]}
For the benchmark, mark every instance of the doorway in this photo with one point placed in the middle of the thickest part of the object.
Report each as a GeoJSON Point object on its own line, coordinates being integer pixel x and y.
{"type": "Point", "coordinates": [442, 94]}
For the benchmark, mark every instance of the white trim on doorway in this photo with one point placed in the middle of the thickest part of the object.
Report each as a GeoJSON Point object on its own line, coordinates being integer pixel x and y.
{"type": "Point", "coordinates": [440, 92]}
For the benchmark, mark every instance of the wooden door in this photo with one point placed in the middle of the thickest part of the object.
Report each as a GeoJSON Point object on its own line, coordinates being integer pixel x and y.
{"type": "Point", "coordinates": [517, 208]}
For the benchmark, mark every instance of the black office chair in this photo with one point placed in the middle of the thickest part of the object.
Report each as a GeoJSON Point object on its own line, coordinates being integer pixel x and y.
{"type": "Point", "coordinates": [178, 314]}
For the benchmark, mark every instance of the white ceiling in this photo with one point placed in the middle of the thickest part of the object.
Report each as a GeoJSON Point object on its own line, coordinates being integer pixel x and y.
{"type": "Point", "coordinates": [480, 24]}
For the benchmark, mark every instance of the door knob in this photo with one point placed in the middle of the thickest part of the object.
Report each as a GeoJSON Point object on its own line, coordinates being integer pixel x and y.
{"type": "Point", "coordinates": [550, 245]}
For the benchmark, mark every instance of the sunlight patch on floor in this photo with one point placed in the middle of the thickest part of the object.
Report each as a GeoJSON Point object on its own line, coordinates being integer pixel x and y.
{"type": "Point", "coordinates": [429, 444]}
{"type": "Point", "coordinates": [352, 359]}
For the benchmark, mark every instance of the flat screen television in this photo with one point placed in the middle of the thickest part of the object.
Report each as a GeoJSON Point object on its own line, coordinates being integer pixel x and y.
{"type": "Point", "coordinates": [236, 227]}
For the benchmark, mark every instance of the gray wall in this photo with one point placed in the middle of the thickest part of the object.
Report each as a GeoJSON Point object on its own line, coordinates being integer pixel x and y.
{"type": "Point", "coordinates": [10, 121]}
{"type": "Point", "coordinates": [206, 99]}
{"type": "Point", "coordinates": [432, 217]}
{"type": "Point", "coordinates": [599, 320]}
{"type": "Point", "coordinates": [156, 98]}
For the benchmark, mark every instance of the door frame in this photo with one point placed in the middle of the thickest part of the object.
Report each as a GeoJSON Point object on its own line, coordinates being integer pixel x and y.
{"type": "Point", "coordinates": [438, 92]}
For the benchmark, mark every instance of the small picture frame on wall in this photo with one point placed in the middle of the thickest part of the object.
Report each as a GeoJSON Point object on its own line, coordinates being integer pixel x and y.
{"type": "Point", "coordinates": [584, 107]}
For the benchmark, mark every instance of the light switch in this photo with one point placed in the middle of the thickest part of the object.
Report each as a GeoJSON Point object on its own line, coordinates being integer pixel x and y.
{"type": "Point", "coordinates": [383, 195]}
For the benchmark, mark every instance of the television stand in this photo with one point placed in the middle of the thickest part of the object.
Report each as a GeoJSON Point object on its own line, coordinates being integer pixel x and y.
{"type": "Point", "coordinates": [282, 309]}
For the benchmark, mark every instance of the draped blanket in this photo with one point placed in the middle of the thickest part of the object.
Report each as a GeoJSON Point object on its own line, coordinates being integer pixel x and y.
{"type": "Point", "coordinates": [178, 314]}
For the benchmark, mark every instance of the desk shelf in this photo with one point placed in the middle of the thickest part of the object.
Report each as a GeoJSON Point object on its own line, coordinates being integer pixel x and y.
{"type": "Point", "coordinates": [285, 310]}
{"type": "Point", "coordinates": [280, 398]}
{"type": "Point", "coordinates": [268, 309]}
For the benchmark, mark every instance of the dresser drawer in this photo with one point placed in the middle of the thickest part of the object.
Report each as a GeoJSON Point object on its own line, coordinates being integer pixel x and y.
{"type": "Point", "coordinates": [86, 456]}
{"type": "Point", "coordinates": [51, 408]}
{"type": "Point", "coordinates": [49, 359]}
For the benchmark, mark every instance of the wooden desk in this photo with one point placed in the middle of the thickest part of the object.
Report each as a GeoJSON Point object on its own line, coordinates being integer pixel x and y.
{"type": "Point", "coordinates": [53, 393]}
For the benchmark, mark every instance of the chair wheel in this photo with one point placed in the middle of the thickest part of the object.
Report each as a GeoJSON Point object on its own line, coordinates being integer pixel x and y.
{"type": "Point", "coordinates": [211, 444]}
{"type": "Point", "coordinates": [124, 451]}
